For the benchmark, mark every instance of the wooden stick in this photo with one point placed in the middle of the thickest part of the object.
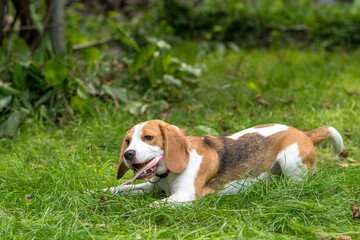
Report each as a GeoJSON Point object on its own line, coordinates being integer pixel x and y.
{"type": "Point", "coordinates": [94, 43]}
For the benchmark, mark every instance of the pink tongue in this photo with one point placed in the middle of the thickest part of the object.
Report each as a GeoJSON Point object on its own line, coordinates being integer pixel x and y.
{"type": "Point", "coordinates": [150, 164]}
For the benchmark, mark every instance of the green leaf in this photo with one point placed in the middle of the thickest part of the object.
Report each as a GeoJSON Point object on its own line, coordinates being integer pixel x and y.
{"type": "Point", "coordinates": [121, 94]}
{"type": "Point", "coordinates": [19, 77]}
{"type": "Point", "coordinates": [40, 54]}
{"type": "Point", "coordinates": [171, 80]}
{"type": "Point", "coordinates": [21, 51]}
{"type": "Point", "coordinates": [190, 70]}
{"type": "Point", "coordinates": [166, 61]}
{"type": "Point", "coordinates": [125, 38]}
{"type": "Point", "coordinates": [56, 74]}
{"type": "Point", "coordinates": [80, 105]}
{"type": "Point", "coordinates": [10, 126]}
{"type": "Point", "coordinates": [136, 108]}
{"type": "Point", "coordinates": [25, 100]}
{"type": "Point", "coordinates": [158, 67]}
{"type": "Point", "coordinates": [4, 101]}
{"type": "Point", "coordinates": [112, 14]}
{"type": "Point", "coordinates": [35, 72]}
{"type": "Point", "coordinates": [81, 90]}
{"type": "Point", "coordinates": [6, 90]}
{"type": "Point", "coordinates": [72, 63]}
{"type": "Point", "coordinates": [90, 54]}
{"type": "Point", "coordinates": [107, 90]}
{"type": "Point", "coordinates": [141, 58]}
{"type": "Point", "coordinates": [252, 85]}
{"type": "Point", "coordinates": [46, 97]}
{"type": "Point", "coordinates": [152, 74]}
{"type": "Point", "coordinates": [161, 44]}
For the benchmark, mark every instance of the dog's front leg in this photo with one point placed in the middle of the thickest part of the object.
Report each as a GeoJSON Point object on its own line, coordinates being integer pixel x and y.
{"type": "Point", "coordinates": [134, 188]}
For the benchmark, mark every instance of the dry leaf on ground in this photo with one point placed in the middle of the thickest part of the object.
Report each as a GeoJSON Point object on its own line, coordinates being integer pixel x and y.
{"type": "Point", "coordinates": [260, 100]}
{"type": "Point", "coordinates": [355, 211]}
{"type": "Point", "coordinates": [327, 236]}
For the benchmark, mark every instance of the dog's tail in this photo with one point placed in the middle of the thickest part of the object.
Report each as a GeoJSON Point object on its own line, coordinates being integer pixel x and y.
{"type": "Point", "coordinates": [321, 134]}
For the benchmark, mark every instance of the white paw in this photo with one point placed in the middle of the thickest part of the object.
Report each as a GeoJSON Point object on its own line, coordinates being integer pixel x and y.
{"type": "Point", "coordinates": [156, 204]}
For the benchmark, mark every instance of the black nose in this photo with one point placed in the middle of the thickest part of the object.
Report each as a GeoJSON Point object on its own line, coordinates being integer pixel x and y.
{"type": "Point", "coordinates": [129, 155]}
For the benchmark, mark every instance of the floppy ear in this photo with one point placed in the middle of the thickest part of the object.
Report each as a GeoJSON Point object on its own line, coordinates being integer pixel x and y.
{"type": "Point", "coordinates": [176, 148]}
{"type": "Point", "coordinates": [122, 167]}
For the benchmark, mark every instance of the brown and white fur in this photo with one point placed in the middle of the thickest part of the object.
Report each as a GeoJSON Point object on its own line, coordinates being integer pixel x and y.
{"type": "Point", "coordinates": [200, 165]}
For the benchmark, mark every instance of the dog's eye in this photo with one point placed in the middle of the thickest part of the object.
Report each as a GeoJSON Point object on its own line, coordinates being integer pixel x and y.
{"type": "Point", "coordinates": [148, 138]}
{"type": "Point", "coordinates": [127, 141]}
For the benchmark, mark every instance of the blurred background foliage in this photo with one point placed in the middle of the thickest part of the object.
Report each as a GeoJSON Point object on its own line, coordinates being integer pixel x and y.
{"type": "Point", "coordinates": [119, 51]}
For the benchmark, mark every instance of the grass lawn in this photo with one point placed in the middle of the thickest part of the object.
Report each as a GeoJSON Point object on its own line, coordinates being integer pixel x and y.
{"type": "Point", "coordinates": [44, 171]}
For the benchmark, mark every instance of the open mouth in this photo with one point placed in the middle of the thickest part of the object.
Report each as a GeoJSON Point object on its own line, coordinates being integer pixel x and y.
{"type": "Point", "coordinates": [146, 170]}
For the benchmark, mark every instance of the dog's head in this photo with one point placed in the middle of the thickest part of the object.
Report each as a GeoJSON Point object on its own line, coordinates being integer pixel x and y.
{"type": "Point", "coordinates": [145, 141]}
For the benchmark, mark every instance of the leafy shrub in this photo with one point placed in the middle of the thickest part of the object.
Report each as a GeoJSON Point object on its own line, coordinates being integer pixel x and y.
{"type": "Point", "coordinates": [335, 27]}
{"type": "Point", "coordinates": [262, 22]}
{"type": "Point", "coordinates": [154, 76]}
{"type": "Point", "coordinates": [53, 86]}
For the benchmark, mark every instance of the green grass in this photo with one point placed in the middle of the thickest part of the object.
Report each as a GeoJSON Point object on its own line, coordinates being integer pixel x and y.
{"type": "Point", "coordinates": [45, 171]}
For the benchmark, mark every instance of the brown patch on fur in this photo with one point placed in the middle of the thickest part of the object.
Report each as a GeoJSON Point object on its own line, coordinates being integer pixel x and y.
{"type": "Point", "coordinates": [265, 125]}
{"type": "Point", "coordinates": [176, 148]}
{"type": "Point", "coordinates": [319, 134]}
{"type": "Point", "coordinates": [208, 168]}
{"type": "Point", "coordinates": [248, 156]}
{"type": "Point", "coordinates": [152, 128]}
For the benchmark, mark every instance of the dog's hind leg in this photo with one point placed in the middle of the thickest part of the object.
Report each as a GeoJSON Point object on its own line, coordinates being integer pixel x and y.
{"type": "Point", "coordinates": [295, 165]}
{"type": "Point", "coordinates": [240, 186]}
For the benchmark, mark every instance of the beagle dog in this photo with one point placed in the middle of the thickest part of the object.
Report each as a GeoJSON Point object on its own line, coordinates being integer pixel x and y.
{"type": "Point", "coordinates": [190, 167]}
